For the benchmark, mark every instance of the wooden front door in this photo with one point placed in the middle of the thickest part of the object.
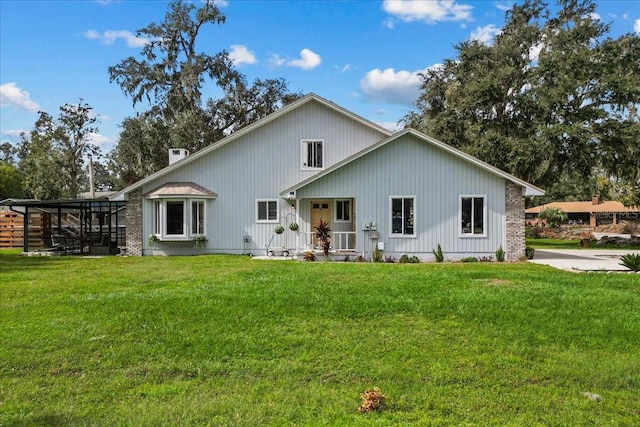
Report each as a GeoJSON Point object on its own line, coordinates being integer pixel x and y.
{"type": "Point", "coordinates": [320, 210]}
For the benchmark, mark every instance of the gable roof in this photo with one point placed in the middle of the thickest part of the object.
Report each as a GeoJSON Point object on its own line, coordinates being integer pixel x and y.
{"type": "Point", "coordinates": [311, 97]}
{"type": "Point", "coordinates": [190, 189]}
{"type": "Point", "coordinates": [529, 189]}
{"type": "Point", "coordinates": [585, 207]}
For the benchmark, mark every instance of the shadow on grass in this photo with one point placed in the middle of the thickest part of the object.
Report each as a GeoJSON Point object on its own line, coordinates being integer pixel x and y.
{"type": "Point", "coordinates": [11, 261]}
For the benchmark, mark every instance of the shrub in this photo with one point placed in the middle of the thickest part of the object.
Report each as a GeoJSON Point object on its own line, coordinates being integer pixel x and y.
{"type": "Point", "coordinates": [406, 259]}
{"type": "Point", "coordinates": [360, 258]}
{"type": "Point", "coordinates": [309, 256]}
{"type": "Point", "coordinates": [631, 261]}
{"type": "Point", "coordinates": [469, 259]}
{"type": "Point", "coordinates": [372, 400]}
{"type": "Point", "coordinates": [554, 216]}
{"type": "Point", "coordinates": [500, 254]}
{"type": "Point", "coordinates": [438, 254]}
{"type": "Point", "coordinates": [377, 255]}
{"type": "Point", "coordinates": [389, 259]}
{"type": "Point", "coordinates": [529, 252]}
{"type": "Point", "coordinates": [485, 258]}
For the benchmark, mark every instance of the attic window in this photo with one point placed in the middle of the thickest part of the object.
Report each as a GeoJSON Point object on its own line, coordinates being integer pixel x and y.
{"type": "Point", "coordinates": [312, 154]}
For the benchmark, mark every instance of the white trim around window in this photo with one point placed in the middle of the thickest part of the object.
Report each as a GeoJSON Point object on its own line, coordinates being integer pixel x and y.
{"type": "Point", "coordinates": [173, 218]}
{"type": "Point", "coordinates": [267, 210]}
{"type": "Point", "coordinates": [472, 215]}
{"type": "Point", "coordinates": [402, 216]}
{"type": "Point", "coordinates": [343, 208]}
{"type": "Point", "coordinates": [312, 154]}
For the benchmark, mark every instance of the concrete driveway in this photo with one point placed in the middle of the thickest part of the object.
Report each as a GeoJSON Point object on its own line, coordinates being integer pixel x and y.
{"type": "Point", "coordinates": [582, 259]}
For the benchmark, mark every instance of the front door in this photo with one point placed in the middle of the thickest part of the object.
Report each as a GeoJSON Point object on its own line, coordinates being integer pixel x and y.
{"type": "Point", "coordinates": [320, 210]}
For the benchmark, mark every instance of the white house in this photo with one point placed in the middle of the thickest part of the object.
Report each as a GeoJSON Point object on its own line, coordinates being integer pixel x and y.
{"type": "Point", "coordinates": [404, 193]}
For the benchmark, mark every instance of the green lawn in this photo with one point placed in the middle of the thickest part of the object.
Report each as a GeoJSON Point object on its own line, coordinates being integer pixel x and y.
{"type": "Point", "coordinates": [229, 341]}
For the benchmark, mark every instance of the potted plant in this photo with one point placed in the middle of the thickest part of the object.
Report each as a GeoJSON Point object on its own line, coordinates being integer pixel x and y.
{"type": "Point", "coordinates": [200, 240]}
{"type": "Point", "coordinates": [152, 240]}
{"type": "Point", "coordinates": [279, 229]}
{"type": "Point", "coordinates": [293, 226]}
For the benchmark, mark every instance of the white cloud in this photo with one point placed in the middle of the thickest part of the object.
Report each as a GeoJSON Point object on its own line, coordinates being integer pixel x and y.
{"type": "Point", "coordinates": [12, 96]}
{"type": "Point", "coordinates": [343, 68]}
{"type": "Point", "coordinates": [485, 34]}
{"type": "Point", "coordinates": [392, 126]}
{"type": "Point", "coordinates": [241, 55]}
{"type": "Point", "coordinates": [98, 139]}
{"type": "Point", "coordinates": [389, 23]}
{"type": "Point", "coordinates": [110, 36]}
{"type": "Point", "coordinates": [308, 60]}
{"type": "Point", "coordinates": [534, 51]}
{"type": "Point", "coordinates": [275, 60]}
{"type": "Point", "coordinates": [428, 11]}
{"type": "Point", "coordinates": [636, 26]}
{"type": "Point", "coordinates": [401, 87]}
{"type": "Point", "coordinates": [504, 6]}
{"type": "Point", "coordinates": [595, 16]}
{"type": "Point", "coordinates": [219, 3]}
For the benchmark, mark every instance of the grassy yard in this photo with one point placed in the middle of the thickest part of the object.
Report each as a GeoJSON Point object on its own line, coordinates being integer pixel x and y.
{"type": "Point", "coordinates": [229, 341]}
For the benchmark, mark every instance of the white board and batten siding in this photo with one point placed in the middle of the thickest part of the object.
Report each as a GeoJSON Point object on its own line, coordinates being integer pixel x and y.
{"type": "Point", "coordinates": [412, 168]}
{"type": "Point", "coordinates": [258, 165]}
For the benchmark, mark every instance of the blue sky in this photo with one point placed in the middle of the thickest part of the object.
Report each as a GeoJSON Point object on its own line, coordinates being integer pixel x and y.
{"type": "Point", "coordinates": [363, 55]}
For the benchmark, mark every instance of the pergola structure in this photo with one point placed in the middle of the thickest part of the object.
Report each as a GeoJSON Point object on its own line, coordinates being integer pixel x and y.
{"type": "Point", "coordinates": [84, 226]}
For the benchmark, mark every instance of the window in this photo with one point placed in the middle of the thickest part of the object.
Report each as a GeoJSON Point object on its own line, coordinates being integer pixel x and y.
{"type": "Point", "coordinates": [197, 217]}
{"type": "Point", "coordinates": [472, 212]}
{"type": "Point", "coordinates": [174, 225]}
{"type": "Point", "coordinates": [343, 210]}
{"type": "Point", "coordinates": [402, 216]}
{"type": "Point", "coordinates": [178, 219]}
{"type": "Point", "coordinates": [267, 211]}
{"type": "Point", "coordinates": [312, 154]}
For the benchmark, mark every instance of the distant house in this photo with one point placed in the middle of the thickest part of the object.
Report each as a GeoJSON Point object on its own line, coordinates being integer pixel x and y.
{"type": "Point", "coordinates": [312, 160]}
{"type": "Point", "coordinates": [591, 213]}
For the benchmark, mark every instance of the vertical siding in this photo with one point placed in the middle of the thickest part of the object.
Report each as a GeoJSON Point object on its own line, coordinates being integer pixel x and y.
{"type": "Point", "coordinates": [259, 165]}
{"type": "Point", "coordinates": [410, 167]}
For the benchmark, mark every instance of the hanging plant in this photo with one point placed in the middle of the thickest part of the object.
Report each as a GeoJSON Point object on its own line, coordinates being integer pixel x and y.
{"type": "Point", "coordinates": [293, 226]}
{"type": "Point", "coordinates": [279, 229]}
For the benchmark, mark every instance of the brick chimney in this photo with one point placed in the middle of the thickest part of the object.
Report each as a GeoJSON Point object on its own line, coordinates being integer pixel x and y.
{"type": "Point", "coordinates": [595, 200]}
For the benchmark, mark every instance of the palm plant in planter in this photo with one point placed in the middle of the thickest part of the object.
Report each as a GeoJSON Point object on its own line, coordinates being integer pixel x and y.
{"type": "Point", "coordinates": [200, 240]}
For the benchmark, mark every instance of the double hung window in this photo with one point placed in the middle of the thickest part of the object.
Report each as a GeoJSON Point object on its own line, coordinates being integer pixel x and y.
{"type": "Point", "coordinates": [403, 216]}
{"type": "Point", "coordinates": [472, 215]}
{"type": "Point", "coordinates": [343, 210]}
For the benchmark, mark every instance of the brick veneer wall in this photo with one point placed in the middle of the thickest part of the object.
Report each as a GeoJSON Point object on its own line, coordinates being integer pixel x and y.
{"type": "Point", "coordinates": [134, 224]}
{"type": "Point", "coordinates": [514, 222]}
